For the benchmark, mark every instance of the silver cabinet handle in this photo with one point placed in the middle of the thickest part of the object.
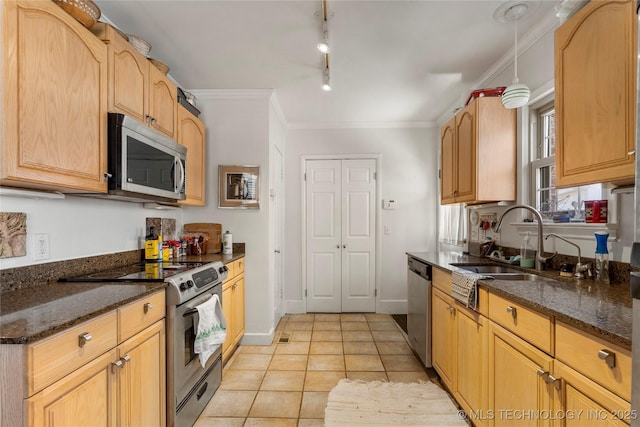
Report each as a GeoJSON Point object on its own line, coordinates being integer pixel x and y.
{"type": "Point", "coordinates": [148, 306]}
{"type": "Point", "coordinates": [338, 246]}
{"type": "Point", "coordinates": [609, 357]}
{"type": "Point", "coordinates": [553, 380]}
{"type": "Point", "coordinates": [118, 364]}
{"type": "Point", "coordinates": [84, 338]}
{"type": "Point", "coordinates": [153, 121]}
{"type": "Point", "coordinates": [344, 246]}
{"type": "Point", "coordinates": [542, 373]}
{"type": "Point", "coordinates": [451, 309]}
{"type": "Point", "coordinates": [632, 152]}
{"type": "Point", "coordinates": [512, 311]}
{"type": "Point", "coordinates": [126, 358]}
{"type": "Point", "coordinates": [276, 251]}
{"type": "Point", "coordinates": [106, 176]}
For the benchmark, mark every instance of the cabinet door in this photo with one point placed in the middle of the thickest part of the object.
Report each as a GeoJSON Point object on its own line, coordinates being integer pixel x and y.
{"type": "Point", "coordinates": [86, 397]}
{"type": "Point", "coordinates": [514, 381]}
{"type": "Point", "coordinates": [471, 371]}
{"type": "Point", "coordinates": [55, 89]}
{"type": "Point", "coordinates": [142, 395]}
{"type": "Point", "coordinates": [443, 337]}
{"type": "Point", "coordinates": [466, 153]}
{"type": "Point", "coordinates": [128, 72]}
{"type": "Point", "coordinates": [163, 105]}
{"type": "Point", "coordinates": [238, 308]}
{"type": "Point", "coordinates": [191, 135]}
{"type": "Point", "coordinates": [595, 63]}
{"type": "Point", "coordinates": [448, 162]}
{"type": "Point", "coordinates": [227, 310]}
{"type": "Point", "coordinates": [588, 403]}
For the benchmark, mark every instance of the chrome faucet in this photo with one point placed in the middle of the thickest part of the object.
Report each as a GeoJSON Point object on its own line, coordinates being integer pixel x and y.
{"type": "Point", "coordinates": [580, 268]}
{"type": "Point", "coordinates": [540, 260]}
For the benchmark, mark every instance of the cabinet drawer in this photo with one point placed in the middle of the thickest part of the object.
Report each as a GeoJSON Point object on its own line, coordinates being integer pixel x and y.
{"type": "Point", "coordinates": [529, 325]}
{"type": "Point", "coordinates": [140, 314]}
{"type": "Point", "coordinates": [231, 272]}
{"type": "Point", "coordinates": [441, 279]}
{"type": "Point", "coordinates": [239, 268]}
{"type": "Point", "coordinates": [581, 351]}
{"type": "Point", "coordinates": [55, 357]}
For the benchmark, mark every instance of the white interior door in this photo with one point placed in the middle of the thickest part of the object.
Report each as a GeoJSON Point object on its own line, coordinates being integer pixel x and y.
{"type": "Point", "coordinates": [358, 235]}
{"type": "Point", "coordinates": [277, 193]}
{"type": "Point", "coordinates": [340, 235]}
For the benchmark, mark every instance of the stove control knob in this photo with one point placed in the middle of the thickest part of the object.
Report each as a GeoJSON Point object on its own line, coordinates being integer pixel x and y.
{"type": "Point", "coordinates": [190, 283]}
{"type": "Point", "coordinates": [223, 269]}
{"type": "Point", "coordinates": [183, 287]}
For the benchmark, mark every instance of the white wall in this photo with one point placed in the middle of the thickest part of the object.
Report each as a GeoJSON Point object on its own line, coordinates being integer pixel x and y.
{"type": "Point", "coordinates": [408, 174]}
{"type": "Point", "coordinates": [81, 227]}
{"type": "Point", "coordinates": [237, 124]}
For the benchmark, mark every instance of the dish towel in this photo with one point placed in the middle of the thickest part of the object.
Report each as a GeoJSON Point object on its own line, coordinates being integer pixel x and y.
{"type": "Point", "coordinates": [464, 287]}
{"type": "Point", "coordinates": [211, 330]}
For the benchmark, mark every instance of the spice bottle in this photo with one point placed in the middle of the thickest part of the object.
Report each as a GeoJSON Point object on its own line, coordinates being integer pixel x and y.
{"type": "Point", "coordinates": [227, 243]}
{"type": "Point", "coordinates": [602, 257]}
{"type": "Point", "coordinates": [151, 245]}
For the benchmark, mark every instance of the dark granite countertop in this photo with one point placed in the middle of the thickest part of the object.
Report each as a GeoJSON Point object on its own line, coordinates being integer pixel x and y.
{"type": "Point", "coordinates": [40, 310]}
{"type": "Point", "coordinates": [604, 310]}
{"type": "Point", "coordinates": [33, 313]}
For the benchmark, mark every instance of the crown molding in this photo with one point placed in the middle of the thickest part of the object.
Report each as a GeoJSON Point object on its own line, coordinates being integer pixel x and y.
{"type": "Point", "coordinates": [213, 94]}
{"type": "Point", "coordinates": [361, 125]}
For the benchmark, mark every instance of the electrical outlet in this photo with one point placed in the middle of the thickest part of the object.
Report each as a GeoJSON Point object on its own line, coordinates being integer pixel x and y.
{"type": "Point", "coordinates": [40, 246]}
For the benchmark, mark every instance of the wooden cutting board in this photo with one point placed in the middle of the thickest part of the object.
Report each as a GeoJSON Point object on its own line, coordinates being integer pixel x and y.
{"type": "Point", "coordinates": [214, 246]}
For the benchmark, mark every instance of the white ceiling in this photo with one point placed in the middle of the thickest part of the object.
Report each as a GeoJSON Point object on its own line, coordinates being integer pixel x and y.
{"type": "Point", "coordinates": [392, 61]}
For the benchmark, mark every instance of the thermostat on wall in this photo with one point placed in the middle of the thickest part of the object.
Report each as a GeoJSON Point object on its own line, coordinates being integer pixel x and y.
{"type": "Point", "coordinates": [388, 204]}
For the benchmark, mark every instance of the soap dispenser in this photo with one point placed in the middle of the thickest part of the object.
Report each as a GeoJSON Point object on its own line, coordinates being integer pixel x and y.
{"type": "Point", "coordinates": [602, 257]}
{"type": "Point", "coordinates": [527, 253]}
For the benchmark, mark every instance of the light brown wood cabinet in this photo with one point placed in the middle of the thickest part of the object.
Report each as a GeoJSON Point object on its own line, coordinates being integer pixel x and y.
{"type": "Point", "coordinates": [515, 380]}
{"type": "Point", "coordinates": [136, 87]}
{"type": "Point", "coordinates": [478, 154]}
{"type": "Point", "coordinates": [191, 134]}
{"type": "Point", "coordinates": [233, 307]}
{"type": "Point", "coordinates": [595, 80]}
{"type": "Point", "coordinates": [55, 86]}
{"type": "Point", "coordinates": [459, 343]}
{"type": "Point", "coordinates": [101, 380]}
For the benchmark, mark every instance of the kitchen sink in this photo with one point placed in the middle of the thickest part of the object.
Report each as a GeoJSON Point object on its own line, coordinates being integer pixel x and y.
{"type": "Point", "coordinates": [488, 269]}
{"type": "Point", "coordinates": [498, 272]}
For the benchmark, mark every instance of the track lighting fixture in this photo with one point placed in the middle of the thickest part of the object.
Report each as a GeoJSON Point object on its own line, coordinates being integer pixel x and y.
{"type": "Point", "coordinates": [326, 80]}
{"type": "Point", "coordinates": [323, 46]}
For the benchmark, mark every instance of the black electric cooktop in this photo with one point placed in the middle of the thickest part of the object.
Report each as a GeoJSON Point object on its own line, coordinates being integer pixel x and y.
{"type": "Point", "coordinates": [143, 272]}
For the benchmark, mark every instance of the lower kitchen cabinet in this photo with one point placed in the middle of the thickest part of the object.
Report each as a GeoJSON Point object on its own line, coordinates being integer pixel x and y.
{"type": "Point", "coordinates": [459, 347]}
{"type": "Point", "coordinates": [86, 376]}
{"type": "Point", "coordinates": [471, 381]}
{"type": "Point", "coordinates": [443, 337]}
{"type": "Point", "coordinates": [517, 386]}
{"type": "Point", "coordinates": [586, 403]}
{"type": "Point", "coordinates": [233, 307]}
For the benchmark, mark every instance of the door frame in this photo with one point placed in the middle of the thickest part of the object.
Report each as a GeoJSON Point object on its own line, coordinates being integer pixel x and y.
{"type": "Point", "coordinates": [378, 209]}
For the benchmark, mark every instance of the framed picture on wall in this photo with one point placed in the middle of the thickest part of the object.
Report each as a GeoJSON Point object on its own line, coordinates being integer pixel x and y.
{"type": "Point", "coordinates": [239, 187]}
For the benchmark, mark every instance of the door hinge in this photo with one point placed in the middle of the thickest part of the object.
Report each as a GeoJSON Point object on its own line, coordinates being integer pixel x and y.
{"type": "Point", "coordinates": [439, 173]}
{"type": "Point", "coordinates": [375, 175]}
{"type": "Point", "coordinates": [305, 293]}
{"type": "Point", "coordinates": [305, 176]}
{"type": "Point", "coordinates": [375, 292]}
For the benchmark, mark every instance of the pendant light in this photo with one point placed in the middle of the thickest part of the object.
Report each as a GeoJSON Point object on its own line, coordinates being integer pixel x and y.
{"type": "Point", "coordinates": [516, 95]}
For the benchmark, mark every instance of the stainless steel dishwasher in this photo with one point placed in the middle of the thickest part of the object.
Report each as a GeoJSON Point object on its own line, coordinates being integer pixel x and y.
{"type": "Point", "coordinates": [419, 309]}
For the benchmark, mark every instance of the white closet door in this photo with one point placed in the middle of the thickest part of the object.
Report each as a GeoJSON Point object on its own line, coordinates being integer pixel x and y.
{"type": "Point", "coordinates": [340, 231]}
{"type": "Point", "coordinates": [358, 235]}
{"type": "Point", "coordinates": [324, 236]}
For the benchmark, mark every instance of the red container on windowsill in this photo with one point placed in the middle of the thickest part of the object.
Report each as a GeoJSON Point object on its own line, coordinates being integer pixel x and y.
{"type": "Point", "coordinates": [596, 211]}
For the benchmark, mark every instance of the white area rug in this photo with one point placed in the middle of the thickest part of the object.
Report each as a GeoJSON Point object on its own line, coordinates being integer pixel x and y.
{"type": "Point", "coordinates": [377, 403]}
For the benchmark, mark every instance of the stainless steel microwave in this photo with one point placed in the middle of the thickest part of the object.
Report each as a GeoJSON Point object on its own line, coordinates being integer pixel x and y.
{"type": "Point", "coordinates": [143, 164]}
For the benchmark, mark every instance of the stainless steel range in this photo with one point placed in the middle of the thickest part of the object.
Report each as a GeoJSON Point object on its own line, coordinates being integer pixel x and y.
{"type": "Point", "coordinates": [189, 385]}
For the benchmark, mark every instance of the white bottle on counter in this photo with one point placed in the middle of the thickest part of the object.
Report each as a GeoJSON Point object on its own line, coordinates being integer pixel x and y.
{"type": "Point", "coordinates": [227, 243]}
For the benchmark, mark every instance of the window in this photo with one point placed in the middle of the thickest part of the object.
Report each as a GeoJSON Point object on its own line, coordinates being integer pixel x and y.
{"type": "Point", "coordinates": [554, 204]}
{"type": "Point", "coordinates": [452, 224]}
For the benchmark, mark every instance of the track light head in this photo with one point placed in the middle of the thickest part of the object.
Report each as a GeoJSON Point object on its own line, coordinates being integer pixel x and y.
{"type": "Point", "coordinates": [323, 46]}
{"type": "Point", "coordinates": [326, 80]}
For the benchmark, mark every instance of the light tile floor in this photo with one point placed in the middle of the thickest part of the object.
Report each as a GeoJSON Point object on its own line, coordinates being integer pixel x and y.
{"type": "Point", "coordinates": [287, 383]}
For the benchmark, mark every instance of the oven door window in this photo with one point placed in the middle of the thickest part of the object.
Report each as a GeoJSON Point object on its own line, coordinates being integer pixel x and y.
{"type": "Point", "coordinates": [190, 328]}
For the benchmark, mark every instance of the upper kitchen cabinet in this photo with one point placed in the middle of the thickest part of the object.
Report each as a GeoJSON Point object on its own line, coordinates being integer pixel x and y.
{"type": "Point", "coordinates": [191, 134]}
{"type": "Point", "coordinates": [136, 87]}
{"type": "Point", "coordinates": [55, 89]}
{"type": "Point", "coordinates": [595, 78]}
{"type": "Point", "coordinates": [478, 149]}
